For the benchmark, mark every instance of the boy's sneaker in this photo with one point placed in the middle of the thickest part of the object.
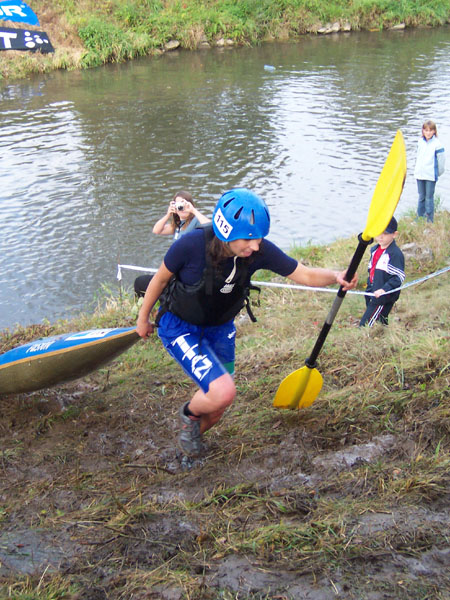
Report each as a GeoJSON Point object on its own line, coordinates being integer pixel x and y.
{"type": "Point", "coordinates": [190, 439]}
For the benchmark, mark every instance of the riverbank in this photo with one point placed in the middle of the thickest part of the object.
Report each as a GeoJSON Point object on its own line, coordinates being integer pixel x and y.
{"type": "Point", "coordinates": [90, 33]}
{"type": "Point", "coordinates": [349, 498]}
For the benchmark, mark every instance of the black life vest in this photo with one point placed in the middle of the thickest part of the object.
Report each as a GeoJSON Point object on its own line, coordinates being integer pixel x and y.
{"type": "Point", "coordinates": [215, 299]}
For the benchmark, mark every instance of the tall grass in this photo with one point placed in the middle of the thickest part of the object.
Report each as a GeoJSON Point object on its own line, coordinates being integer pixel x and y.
{"type": "Point", "coordinates": [90, 33]}
{"type": "Point", "coordinates": [106, 42]}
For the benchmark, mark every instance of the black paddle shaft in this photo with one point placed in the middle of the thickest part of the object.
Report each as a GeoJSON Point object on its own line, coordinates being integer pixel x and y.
{"type": "Point", "coordinates": [354, 264]}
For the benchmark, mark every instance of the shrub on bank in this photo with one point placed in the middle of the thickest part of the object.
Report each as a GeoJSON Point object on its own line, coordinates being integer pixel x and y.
{"type": "Point", "coordinates": [106, 42]}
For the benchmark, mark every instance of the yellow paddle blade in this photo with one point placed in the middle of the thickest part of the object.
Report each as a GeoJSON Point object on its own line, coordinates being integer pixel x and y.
{"type": "Point", "coordinates": [299, 389]}
{"type": "Point", "coordinates": [388, 190]}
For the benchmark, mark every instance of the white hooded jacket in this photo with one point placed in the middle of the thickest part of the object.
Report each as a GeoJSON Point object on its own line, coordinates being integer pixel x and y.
{"type": "Point", "coordinates": [430, 159]}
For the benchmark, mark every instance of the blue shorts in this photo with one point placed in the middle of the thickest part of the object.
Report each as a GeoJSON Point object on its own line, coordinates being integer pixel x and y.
{"type": "Point", "coordinates": [204, 353]}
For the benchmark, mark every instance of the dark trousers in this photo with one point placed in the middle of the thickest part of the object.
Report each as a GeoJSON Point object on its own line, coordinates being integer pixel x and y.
{"type": "Point", "coordinates": [141, 284]}
{"type": "Point", "coordinates": [375, 312]}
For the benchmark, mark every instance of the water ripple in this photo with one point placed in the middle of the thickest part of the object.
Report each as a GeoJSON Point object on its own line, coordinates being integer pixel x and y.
{"type": "Point", "coordinates": [90, 160]}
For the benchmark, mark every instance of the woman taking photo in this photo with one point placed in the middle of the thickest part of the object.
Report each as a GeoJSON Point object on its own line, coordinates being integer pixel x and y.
{"type": "Point", "coordinates": [180, 218]}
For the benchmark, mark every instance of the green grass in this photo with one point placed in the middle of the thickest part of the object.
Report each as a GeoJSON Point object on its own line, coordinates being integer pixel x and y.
{"type": "Point", "coordinates": [90, 33]}
{"type": "Point", "coordinates": [276, 489]}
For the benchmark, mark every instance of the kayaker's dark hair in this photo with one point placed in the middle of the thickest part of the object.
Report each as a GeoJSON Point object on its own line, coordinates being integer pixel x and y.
{"type": "Point", "coordinates": [219, 251]}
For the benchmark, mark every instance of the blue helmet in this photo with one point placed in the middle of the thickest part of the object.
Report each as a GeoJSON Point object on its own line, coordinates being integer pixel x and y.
{"type": "Point", "coordinates": [241, 214]}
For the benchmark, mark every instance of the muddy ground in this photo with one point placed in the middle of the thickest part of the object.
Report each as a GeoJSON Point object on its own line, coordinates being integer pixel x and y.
{"type": "Point", "coordinates": [346, 499]}
{"type": "Point", "coordinates": [96, 498]}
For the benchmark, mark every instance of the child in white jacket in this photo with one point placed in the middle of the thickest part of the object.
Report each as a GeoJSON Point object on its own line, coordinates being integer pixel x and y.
{"type": "Point", "coordinates": [430, 164]}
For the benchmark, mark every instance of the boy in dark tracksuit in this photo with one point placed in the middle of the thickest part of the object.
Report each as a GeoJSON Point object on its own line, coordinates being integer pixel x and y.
{"type": "Point", "coordinates": [386, 272]}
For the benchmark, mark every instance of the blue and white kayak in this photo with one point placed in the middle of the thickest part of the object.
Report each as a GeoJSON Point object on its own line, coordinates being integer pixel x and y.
{"type": "Point", "coordinates": [49, 361]}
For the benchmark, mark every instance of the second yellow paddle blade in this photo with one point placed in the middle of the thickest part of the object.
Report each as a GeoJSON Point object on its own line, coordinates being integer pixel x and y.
{"type": "Point", "coordinates": [299, 389]}
{"type": "Point", "coordinates": [388, 189]}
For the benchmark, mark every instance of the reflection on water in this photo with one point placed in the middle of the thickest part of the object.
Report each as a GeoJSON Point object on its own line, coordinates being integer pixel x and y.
{"type": "Point", "coordinates": [91, 159]}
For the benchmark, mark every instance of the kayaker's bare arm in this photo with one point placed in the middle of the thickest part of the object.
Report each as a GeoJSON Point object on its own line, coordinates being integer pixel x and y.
{"type": "Point", "coordinates": [155, 288]}
{"type": "Point", "coordinates": [317, 277]}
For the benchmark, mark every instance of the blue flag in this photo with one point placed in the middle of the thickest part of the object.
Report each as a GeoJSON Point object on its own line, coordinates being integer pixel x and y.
{"type": "Point", "coordinates": [18, 12]}
{"type": "Point", "coordinates": [23, 39]}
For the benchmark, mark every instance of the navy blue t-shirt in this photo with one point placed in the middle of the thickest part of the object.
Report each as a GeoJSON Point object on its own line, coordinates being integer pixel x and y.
{"type": "Point", "coordinates": [186, 258]}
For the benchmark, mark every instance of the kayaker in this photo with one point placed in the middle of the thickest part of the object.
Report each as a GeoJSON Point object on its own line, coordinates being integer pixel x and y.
{"type": "Point", "coordinates": [205, 277]}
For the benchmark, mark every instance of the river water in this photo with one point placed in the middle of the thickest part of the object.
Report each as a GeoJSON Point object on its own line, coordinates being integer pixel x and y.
{"type": "Point", "coordinates": [90, 160]}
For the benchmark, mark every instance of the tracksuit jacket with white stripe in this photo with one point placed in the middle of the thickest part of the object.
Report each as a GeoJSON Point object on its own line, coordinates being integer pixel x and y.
{"type": "Point", "coordinates": [389, 273]}
{"type": "Point", "coordinates": [430, 159]}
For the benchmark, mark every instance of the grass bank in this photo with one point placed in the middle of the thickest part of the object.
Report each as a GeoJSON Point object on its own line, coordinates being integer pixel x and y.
{"type": "Point", "coordinates": [347, 499]}
{"type": "Point", "coordinates": [90, 33]}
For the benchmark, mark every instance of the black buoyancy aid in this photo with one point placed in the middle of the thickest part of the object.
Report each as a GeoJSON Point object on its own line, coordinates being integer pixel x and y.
{"type": "Point", "coordinates": [215, 299]}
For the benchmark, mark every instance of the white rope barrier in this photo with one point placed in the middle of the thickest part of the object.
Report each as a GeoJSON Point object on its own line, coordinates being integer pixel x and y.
{"type": "Point", "coordinates": [300, 287]}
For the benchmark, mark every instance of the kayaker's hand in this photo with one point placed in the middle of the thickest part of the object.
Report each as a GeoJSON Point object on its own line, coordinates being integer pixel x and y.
{"type": "Point", "coordinates": [345, 284]}
{"type": "Point", "coordinates": [145, 329]}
